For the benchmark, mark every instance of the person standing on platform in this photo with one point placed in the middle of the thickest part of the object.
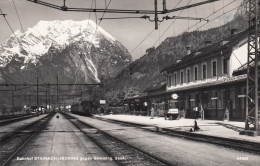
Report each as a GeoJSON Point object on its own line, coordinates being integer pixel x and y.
{"type": "Point", "coordinates": [102, 110]}
{"type": "Point", "coordinates": [152, 113]}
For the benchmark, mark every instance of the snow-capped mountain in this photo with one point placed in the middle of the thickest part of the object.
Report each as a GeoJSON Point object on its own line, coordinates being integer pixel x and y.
{"type": "Point", "coordinates": [75, 50]}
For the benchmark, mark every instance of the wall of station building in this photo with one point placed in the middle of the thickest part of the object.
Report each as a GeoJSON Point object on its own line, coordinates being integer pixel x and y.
{"type": "Point", "coordinates": [237, 58]}
{"type": "Point", "coordinates": [215, 102]}
{"type": "Point", "coordinates": [209, 73]}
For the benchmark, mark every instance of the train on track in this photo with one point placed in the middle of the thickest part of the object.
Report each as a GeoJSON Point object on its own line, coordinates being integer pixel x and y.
{"type": "Point", "coordinates": [88, 108]}
{"type": "Point", "coordinates": [83, 108]}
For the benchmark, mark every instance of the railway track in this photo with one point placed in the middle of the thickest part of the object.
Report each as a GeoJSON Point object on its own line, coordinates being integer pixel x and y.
{"type": "Point", "coordinates": [251, 147]}
{"type": "Point", "coordinates": [121, 152]}
{"type": "Point", "coordinates": [14, 142]}
{"type": "Point", "coordinates": [10, 116]}
{"type": "Point", "coordinates": [8, 120]}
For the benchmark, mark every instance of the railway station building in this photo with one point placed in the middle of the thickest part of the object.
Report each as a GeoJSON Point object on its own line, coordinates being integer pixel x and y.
{"type": "Point", "coordinates": [210, 83]}
{"type": "Point", "coordinates": [207, 80]}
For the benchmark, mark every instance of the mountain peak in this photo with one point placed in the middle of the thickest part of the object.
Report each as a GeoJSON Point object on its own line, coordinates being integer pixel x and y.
{"type": "Point", "coordinates": [37, 41]}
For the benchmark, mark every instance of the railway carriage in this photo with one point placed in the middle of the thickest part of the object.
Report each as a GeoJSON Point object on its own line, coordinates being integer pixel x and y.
{"type": "Point", "coordinates": [82, 108]}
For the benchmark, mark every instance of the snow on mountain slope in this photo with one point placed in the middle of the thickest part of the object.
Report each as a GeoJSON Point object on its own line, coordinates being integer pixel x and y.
{"type": "Point", "coordinates": [77, 51]}
{"type": "Point", "coordinates": [37, 41]}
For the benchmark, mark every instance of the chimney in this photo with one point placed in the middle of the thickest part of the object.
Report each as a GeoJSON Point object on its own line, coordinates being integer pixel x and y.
{"type": "Point", "coordinates": [233, 32]}
{"type": "Point", "coordinates": [188, 49]}
{"type": "Point", "coordinates": [208, 42]}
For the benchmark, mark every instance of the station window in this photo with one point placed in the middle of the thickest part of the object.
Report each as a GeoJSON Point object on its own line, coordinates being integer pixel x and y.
{"type": "Point", "coordinates": [225, 65]}
{"type": "Point", "coordinates": [204, 71]}
{"type": "Point", "coordinates": [169, 80]}
{"type": "Point", "coordinates": [188, 75]}
{"type": "Point", "coordinates": [172, 79]}
{"type": "Point", "coordinates": [175, 78]}
{"type": "Point", "coordinates": [196, 73]}
{"type": "Point", "coordinates": [214, 68]}
{"type": "Point", "coordinates": [182, 78]}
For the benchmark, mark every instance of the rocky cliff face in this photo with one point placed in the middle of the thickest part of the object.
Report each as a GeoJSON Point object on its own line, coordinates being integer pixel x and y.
{"type": "Point", "coordinates": [76, 51]}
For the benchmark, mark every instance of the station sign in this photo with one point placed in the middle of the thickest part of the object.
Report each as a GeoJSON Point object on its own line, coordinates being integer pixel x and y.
{"type": "Point", "coordinates": [241, 96]}
{"type": "Point", "coordinates": [174, 96]}
{"type": "Point", "coordinates": [236, 78]}
{"type": "Point", "coordinates": [102, 102]}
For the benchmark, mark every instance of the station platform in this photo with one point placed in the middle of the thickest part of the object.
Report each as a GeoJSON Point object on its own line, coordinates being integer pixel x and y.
{"type": "Point", "coordinates": [221, 129]}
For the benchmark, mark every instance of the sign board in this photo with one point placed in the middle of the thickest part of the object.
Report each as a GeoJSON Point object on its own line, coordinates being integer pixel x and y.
{"type": "Point", "coordinates": [102, 102]}
{"type": "Point", "coordinates": [241, 96]}
{"type": "Point", "coordinates": [174, 96]}
{"type": "Point", "coordinates": [214, 98]}
{"type": "Point", "coordinates": [235, 78]}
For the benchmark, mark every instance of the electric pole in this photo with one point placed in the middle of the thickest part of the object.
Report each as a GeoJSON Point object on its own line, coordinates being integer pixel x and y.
{"type": "Point", "coordinates": [156, 14]}
{"type": "Point", "coordinates": [13, 102]}
{"type": "Point", "coordinates": [37, 96]}
{"type": "Point", "coordinates": [252, 100]}
{"type": "Point", "coordinates": [58, 103]}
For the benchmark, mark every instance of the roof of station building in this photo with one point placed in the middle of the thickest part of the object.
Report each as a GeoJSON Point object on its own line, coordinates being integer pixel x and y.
{"type": "Point", "coordinates": [213, 49]}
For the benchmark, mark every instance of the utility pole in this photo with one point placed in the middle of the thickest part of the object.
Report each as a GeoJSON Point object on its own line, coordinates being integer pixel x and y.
{"type": "Point", "coordinates": [13, 102]}
{"type": "Point", "coordinates": [49, 100]}
{"type": "Point", "coordinates": [164, 5]}
{"type": "Point", "coordinates": [252, 100]}
{"type": "Point", "coordinates": [30, 103]}
{"type": "Point", "coordinates": [37, 96]}
{"type": "Point", "coordinates": [81, 94]}
{"type": "Point", "coordinates": [58, 102]}
{"type": "Point", "coordinates": [156, 14]}
{"type": "Point", "coordinates": [46, 101]}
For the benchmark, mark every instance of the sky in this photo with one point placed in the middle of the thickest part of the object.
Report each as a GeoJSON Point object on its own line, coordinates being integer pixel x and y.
{"type": "Point", "coordinates": [137, 35]}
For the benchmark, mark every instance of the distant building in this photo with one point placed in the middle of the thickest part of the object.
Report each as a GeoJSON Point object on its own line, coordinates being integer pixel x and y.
{"type": "Point", "coordinates": [204, 80]}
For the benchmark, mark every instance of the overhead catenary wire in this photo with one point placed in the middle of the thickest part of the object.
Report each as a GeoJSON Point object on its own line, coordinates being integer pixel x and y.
{"type": "Point", "coordinates": [17, 13]}
{"type": "Point", "coordinates": [205, 18]}
{"type": "Point", "coordinates": [10, 27]}
{"type": "Point", "coordinates": [76, 9]}
{"type": "Point", "coordinates": [214, 12]}
{"type": "Point", "coordinates": [170, 25]}
{"type": "Point", "coordinates": [98, 25]}
{"type": "Point", "coordinates": [18, 16]}
{"type": "Point", "coordinates": [150, 32]}
{"type": "Point", "coordinates": [218, 17]}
